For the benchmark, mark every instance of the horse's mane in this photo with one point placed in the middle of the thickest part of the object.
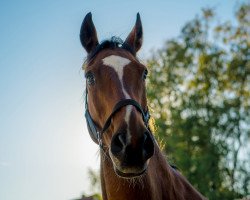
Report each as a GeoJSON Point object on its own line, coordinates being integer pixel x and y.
{"type": "Point", "coordinates": [112, 43]}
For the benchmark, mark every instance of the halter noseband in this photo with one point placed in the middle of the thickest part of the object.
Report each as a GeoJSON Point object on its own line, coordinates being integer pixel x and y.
{"type": "Point", "coordinates": [95, 133]}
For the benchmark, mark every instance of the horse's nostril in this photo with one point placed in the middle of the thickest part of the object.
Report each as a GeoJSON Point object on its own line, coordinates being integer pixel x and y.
{"type": "Point", "coordinates": [148, 145]}
{"type": "Point", "coordinates": [118, 143]}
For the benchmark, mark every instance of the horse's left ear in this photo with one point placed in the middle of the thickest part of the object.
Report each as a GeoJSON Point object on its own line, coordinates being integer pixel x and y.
{"type": "Point", "coordinates": [134, 39]}
{"type": "Point", "coordinates": [88, 35]}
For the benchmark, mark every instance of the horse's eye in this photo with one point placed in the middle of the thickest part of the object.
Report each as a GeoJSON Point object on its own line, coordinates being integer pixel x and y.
{"type": "Point", "coordinates": [145, 73]}
{"type": "Point", "coordinates": [90, 78]}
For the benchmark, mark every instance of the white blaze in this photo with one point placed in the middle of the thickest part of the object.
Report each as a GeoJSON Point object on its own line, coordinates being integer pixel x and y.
{"type": "Point", "coordinates": [118, 63]}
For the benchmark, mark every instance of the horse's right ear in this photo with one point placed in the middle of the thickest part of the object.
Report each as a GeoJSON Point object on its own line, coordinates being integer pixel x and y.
{"type": "Point", "coordinates": [88, 34]}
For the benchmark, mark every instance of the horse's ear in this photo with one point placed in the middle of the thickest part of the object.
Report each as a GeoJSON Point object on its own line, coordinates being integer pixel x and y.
{"type": "Point", "coordinates": [88, 34]}
{"type": "Point", "coordinates": [134, 39]}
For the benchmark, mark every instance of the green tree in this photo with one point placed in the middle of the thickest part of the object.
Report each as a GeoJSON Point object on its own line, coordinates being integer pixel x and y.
{"type": "Point", "coordinates": [199, 89]}
{"type": "Point", "coordinates": [95, 182]}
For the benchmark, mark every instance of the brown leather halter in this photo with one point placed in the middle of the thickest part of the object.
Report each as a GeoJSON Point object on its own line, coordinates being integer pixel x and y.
{"type": "Point", "coordinates": [95, 133]}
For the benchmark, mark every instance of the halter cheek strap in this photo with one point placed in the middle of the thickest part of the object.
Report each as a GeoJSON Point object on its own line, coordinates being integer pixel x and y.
{"type": "Point", "coordinates": [96, 134]}
{"type": "Point", "coordinates": [93, 132]}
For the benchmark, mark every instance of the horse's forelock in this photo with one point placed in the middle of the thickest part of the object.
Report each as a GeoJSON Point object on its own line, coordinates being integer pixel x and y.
{"type": "Point", "coordinates": [113, 43]}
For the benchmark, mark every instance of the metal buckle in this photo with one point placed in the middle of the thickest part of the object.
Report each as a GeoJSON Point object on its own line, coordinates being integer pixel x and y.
{"type": "Point", "coordinates": [99, 139]}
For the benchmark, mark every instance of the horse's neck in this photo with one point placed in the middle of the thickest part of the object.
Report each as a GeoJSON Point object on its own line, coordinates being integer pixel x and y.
{"type": "Point", "coordinates": [160, 182]}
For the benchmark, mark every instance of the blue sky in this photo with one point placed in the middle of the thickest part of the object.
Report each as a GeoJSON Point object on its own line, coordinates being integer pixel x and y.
{"type": "Point", "coordinates": [44, 145]}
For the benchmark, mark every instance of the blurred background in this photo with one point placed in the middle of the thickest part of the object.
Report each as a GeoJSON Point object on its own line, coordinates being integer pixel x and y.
{"type": "Point", "coordinates": [197, 53]}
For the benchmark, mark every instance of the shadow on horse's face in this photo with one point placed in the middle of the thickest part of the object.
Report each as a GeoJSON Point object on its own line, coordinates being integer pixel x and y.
{"type": "Point", "coordinates": [118, 75]}
{"type": "Point", "coordinates": [113, 73]}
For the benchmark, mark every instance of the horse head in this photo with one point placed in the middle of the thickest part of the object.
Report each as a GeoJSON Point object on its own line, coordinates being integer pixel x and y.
{"type": "Point", "coordinates": [116, 104]}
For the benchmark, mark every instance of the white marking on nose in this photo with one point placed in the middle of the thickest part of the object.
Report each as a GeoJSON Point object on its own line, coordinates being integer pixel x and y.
{"type": "Point", "coordinates": [118, 63]}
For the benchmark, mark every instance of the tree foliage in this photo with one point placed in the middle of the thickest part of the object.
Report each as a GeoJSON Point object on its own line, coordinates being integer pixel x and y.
{"type": "Point", "coordinates": [95, 182]}
{"type": "Point", "coordinates": [199, 92]}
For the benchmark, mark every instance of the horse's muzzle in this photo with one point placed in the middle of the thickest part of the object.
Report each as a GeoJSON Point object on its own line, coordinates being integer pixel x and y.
{"type": "Point", "coordinates": [130, 156]}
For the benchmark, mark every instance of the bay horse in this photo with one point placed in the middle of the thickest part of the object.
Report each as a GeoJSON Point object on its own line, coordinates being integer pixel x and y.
{"type": "Point", "coordinates": [132, 164]}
